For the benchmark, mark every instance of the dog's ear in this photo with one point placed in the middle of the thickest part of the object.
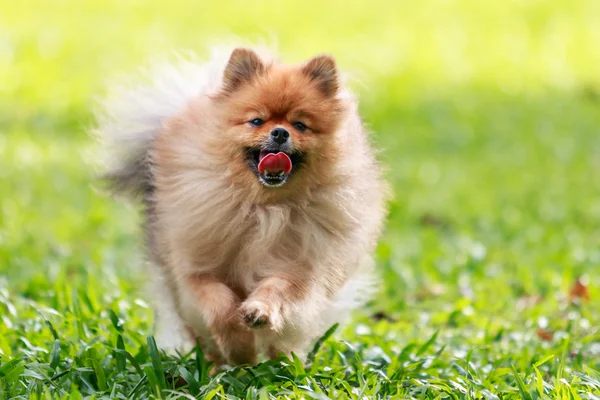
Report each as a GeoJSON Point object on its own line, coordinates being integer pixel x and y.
{"type": "Point", "coordinates": [243, 66]}
{"type": "Point", "coordinates": [322, 70]}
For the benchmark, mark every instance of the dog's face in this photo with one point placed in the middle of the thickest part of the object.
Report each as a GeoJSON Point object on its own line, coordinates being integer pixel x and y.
{"type": "Point", "coordinates": [278, 121]}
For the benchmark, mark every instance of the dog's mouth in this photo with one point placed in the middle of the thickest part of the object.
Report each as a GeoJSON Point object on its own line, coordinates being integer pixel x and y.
{"type": "Point", "coordinates": [273, 167]}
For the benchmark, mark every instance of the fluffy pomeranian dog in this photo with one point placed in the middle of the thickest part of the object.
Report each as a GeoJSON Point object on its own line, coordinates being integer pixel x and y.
{"type": "Point", "coordinates": [262, 197]}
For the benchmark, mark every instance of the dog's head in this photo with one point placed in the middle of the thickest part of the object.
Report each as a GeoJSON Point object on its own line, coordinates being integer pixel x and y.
{"type": "Point", "coordinates": [278, 120]}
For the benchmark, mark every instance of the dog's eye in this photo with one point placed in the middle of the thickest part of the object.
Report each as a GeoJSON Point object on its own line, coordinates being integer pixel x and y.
{"type": "Point", "coordinates": [256, 122]}
{"type": "Point", "coordinates": [300, 126]}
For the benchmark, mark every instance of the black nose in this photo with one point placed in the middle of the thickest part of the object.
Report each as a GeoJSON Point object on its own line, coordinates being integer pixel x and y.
{"type": "Point", "coordinates": [280, 135]}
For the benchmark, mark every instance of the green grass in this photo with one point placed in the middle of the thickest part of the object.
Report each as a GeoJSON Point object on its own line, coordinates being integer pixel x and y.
{"type": "Point", "coordinates": [488, 117]}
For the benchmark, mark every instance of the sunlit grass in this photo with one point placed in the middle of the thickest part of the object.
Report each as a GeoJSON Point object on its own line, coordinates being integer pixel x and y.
{"type": "Point", "coordinates": [488, 117]}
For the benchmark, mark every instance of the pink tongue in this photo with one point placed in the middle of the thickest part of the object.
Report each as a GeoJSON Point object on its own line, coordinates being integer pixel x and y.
{"type": "Point", "coordinates": [274, 163]}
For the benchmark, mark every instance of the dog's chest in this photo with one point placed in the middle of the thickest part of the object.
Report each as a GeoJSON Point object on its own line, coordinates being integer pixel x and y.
{"type": "Point", "coordinates": [266, 242]}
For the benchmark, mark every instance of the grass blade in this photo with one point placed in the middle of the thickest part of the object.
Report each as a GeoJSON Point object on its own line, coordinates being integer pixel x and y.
{"type": "Point", "coordinates": [310, 358]}
{"type": "Point", "coordinates": [119, 356]}
{"type": "Point", "coordinates": [193, 386]}
{"type": "Point", "coordinates": [156, 362]}
{"type": "Point", "coordinates": [522, 388]}
{"type": "Point", "coordinates": [431, 340]}
{"type": "Point", "coordinates": [54, 356]}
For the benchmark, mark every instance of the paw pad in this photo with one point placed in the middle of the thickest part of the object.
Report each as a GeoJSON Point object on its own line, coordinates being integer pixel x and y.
{"type": "Point", "coordinates": [255, 314]}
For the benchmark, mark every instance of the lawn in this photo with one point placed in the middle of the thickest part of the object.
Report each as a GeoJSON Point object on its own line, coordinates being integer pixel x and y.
{"type": "Point", "coordinates": [487, 115]}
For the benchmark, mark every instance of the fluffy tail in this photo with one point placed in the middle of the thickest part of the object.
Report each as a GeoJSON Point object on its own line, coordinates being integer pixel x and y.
{"type": "Point", "coordinates": [132, 115]}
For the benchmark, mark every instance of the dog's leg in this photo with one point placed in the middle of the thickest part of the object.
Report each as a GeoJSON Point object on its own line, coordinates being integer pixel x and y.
{"type": "Point", "coordinates": [265, 307]}
{"type": "Point", "coordinates": [293, 309]}
{"type": "Point", "coordinates": [218, 307]}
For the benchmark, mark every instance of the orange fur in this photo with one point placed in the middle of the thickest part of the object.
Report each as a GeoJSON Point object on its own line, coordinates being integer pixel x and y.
{"type": "Point", "coordinates": [284, 260]}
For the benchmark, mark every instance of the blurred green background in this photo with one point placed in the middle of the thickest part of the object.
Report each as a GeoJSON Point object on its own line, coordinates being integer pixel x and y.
{"type": "Point", "coordinates": [487, 115]}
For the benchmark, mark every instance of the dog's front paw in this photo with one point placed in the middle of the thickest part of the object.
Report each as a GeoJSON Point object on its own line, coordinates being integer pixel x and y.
{"type": "Point", "coordinates": [258, 314]}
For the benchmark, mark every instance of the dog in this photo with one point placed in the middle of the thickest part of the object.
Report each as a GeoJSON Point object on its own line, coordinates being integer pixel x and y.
{"type": "Point", "coordinates": [263, 199]}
